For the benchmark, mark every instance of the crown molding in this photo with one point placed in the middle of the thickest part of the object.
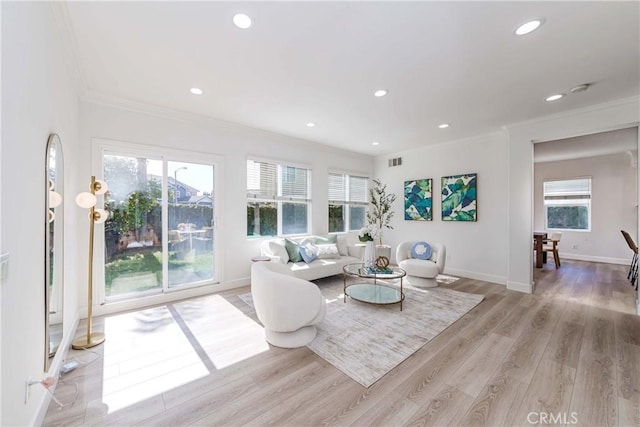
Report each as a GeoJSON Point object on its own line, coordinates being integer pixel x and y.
{"type": "Point", "coordinates": [70, 49]}
{"type": "Point", "coordinates": [630, 102]}
{"type": "Point", "coordinates": [101, 99]}
{"type": "Point", "coordinates": [487, 136]}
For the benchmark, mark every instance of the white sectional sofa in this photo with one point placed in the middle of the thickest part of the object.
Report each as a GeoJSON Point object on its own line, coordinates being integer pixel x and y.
{"type": "Point", "coordinates": [331, 256]}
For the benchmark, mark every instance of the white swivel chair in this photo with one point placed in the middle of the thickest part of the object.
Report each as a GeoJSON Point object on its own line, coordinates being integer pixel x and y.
{"type": "Point", "coordinates": [288, 307]}
{"type": "Point", "coordinates": [421, 273]}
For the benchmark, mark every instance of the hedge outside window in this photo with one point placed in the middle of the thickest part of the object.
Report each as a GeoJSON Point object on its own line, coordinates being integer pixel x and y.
{"type": "Point", "coordinates": [278, 199]}
{"type": "Point", "coordinates": [347, 202]}
{"type": "Point", "coordinates": [567, 204]}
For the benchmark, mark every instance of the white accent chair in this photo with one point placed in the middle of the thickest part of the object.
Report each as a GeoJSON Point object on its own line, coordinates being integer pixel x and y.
{"type": "Point", "coordinates": [288, 307]}
{"type": "Point", "coordinates": [421, 273]}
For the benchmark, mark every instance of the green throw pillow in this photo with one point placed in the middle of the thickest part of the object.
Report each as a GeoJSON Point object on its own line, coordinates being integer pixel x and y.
{"type": "Point", "coordinates": [324, 240]}
{"type": "Point", "coordinates": [293, 249]}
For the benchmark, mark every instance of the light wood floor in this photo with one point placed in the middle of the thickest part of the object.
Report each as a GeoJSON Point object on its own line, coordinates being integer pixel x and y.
{"type": "Point", "coordinates": [569, 353]}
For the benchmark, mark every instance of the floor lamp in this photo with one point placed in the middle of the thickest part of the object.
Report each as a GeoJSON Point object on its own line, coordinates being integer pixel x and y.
{"type": "Point", "coordinates": [88, 200]}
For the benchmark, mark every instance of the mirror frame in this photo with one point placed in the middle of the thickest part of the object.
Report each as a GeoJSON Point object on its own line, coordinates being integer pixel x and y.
{"type": "Point", "coordinates": [53, 242]}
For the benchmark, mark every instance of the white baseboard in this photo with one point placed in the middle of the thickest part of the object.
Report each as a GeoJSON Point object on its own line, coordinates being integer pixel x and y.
{"type": "Point", "coordinates": [527, 288]}
{"type": "Point", "coordinates": [477, 276]}
{"type": "Point", "coordinates": [164, 298]}
{"type": "Point", "coordinates": [238, 283]}
{"type": "Point", "coordinates": [54, 371]}
{"type": "Point", "coordinates": [591, 258]}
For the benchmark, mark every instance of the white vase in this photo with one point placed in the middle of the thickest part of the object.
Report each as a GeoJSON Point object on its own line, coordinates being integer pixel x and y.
{"type": "Point", "coordinates": [369, 254]}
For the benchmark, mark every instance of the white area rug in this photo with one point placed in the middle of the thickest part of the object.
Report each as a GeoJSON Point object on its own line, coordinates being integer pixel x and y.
{"type": "Point", "coordinates": [366, 341]}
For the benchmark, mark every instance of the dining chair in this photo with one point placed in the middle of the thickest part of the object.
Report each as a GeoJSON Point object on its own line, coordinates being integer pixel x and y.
{"type": "Point", "coordinates": [551, 245]}
{"type": "Point", "coordinates": [633, 268]}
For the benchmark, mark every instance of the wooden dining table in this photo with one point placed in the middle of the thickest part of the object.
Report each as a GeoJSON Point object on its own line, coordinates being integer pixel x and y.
{"type": "Point", "coordinates": [539, 237]}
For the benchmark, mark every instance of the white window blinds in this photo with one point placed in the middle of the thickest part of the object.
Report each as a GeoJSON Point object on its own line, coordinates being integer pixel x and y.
{"type": "Point", "coordinates": [272, 181]}
{"type": "Point", "coordinates": [337, 187]}
{"type": "Point", "coordinates": [568, 189]}
{"type": "Point", "coordinates": [347, 188]}
{"type": "Point", "coordinates": [358, 190]}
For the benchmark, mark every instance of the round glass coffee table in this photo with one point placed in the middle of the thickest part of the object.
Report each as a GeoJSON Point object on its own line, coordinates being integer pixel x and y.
{"type": "Point", "coordinates": [369, 289]}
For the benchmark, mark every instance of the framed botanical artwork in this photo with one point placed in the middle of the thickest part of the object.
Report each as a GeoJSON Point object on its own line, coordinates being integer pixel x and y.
{"type": "Point", "coordinates": [459, 197]}
{"type": "Point", "coordinates": [418, 200]}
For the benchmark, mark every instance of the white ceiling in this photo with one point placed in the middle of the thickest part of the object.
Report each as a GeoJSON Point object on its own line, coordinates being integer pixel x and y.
{"type": "Point", "coordinates": [453, 62]}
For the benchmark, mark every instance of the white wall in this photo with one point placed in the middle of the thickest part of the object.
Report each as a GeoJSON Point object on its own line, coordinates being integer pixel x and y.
{"type": "Point", "coordinates": [474, 249]}
{"type": "Point", "coordinates": [614, 205]}
{"type": "Point", "coordinates": [38, 98]}
{"type": "Point", "coordinates": [234, 143]}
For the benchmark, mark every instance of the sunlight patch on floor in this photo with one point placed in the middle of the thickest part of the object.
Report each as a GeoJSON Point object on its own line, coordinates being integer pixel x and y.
{"type": "Point", "coordinates": [145, 354]}
{"type": "Point", "coordinates": [226, 334]}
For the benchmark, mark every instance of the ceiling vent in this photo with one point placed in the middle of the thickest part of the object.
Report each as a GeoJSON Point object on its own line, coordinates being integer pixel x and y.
{"type": "Point", "coordinates": [395, 162]}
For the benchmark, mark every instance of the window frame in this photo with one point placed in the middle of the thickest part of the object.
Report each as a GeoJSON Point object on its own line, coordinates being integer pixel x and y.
{"type": "Point", "coordinates": [102, 147]}
{"type": "Point", "coordinates": [346, 203]}
{"type": "Point", "coordinates": [566, 200]}
{"type": "Point", "coordinates": [284, 172]}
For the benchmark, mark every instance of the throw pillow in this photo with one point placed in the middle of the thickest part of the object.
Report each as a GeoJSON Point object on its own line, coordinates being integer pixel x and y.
{"type": "Point", "coordinates": [343, 248]}
{"type": "Point", "coordinates": [278, 249]}
{"type": "Point", "coordinates": [323, 240]}
{"type": "Point", "coordinates": [308, 252]}
{"type": "Point", "coordinates": [293, 249]}
{"type": "Point", "coordinates": [328, 251]}
{"type": "Point", "coordinates": [421, 250]}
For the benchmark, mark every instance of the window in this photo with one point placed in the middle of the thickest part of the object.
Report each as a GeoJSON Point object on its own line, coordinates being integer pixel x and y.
{"type": "Point", "coordinates": [347, 202]}
{"type": "Point", "coordinates": [278, 199]}
{"type": "Point", "coordinates": [567, 204]}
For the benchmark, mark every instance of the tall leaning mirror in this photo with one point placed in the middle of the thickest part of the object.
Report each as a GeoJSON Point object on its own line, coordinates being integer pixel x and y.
{"type": "Point", "coordinates": [54, 253]}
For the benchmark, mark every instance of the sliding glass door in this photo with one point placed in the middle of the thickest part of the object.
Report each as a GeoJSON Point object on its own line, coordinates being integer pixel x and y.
{"type": "Point", "coordinates": [190, 223]}
{"type": "Point", "coordinates": [160, 235]}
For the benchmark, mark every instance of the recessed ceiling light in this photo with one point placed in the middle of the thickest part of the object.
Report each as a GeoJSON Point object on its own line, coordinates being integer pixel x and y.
{"type": "Point", "coordinates": [444, 126]}
{"type": "Point", "coordinates": [554, 97]}
{"type": "Point", "coordinates": [241, 21]}
{"type": "Point", "coordinates": [196, 91]}
{"type": "Point", "coordinates": [380, 93]}
{"type": "Point", "coordinates": [375, 143]}
{"type": "Point", "coordinates": [311, 124]}
{"type": "Point", "coordinates": [528, 27]}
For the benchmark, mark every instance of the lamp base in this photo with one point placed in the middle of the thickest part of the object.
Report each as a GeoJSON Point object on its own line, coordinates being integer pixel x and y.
{"type": "Point", "coordinates": [96, 338]}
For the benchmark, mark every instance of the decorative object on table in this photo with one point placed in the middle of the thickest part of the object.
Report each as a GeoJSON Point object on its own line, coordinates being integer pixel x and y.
{"type": "Point", "coordinates": [459, 197]}
{"type": "Point", "coordinates": [377, 270]}
{"type": "Point", "coordinates": [382, 262]}
{"type": "Point", "coordinates": [418, 200]}
{"type": "Point", "coordinates": [368, 234]}
{"type": "Point", "coordinates": [421, 273]}
{"type": "Point", "coordinates": [88, 200]}
{"type": "Point", "coordinates": [380, 214]}
{"type": "Point", "coordinates": [369, 254]}
{"type": "Point", "coordinates": [366, 342]}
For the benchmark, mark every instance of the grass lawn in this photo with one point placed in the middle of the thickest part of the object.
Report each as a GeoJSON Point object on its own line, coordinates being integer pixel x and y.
{"type": "Point", "coordinates": [142, 270]}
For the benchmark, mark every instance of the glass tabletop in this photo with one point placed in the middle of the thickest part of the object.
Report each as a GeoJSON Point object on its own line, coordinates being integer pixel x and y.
{"type": "Point", "coordinates": [359, 270]}
{"type": "Point", "coordinates": [374, 293]}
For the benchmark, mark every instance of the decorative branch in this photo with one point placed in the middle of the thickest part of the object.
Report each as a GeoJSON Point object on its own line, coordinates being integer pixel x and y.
{"type": "Point", "coordinates": [380, 214]}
